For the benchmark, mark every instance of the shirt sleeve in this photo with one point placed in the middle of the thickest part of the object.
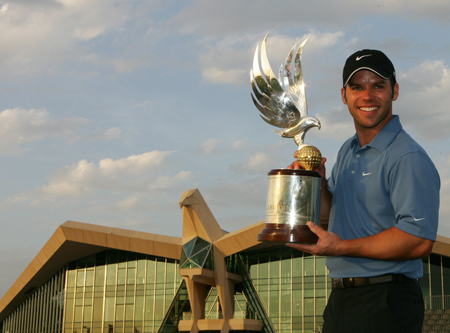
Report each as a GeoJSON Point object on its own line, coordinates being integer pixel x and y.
{"type": "Point", "coordinates": [414, 190]}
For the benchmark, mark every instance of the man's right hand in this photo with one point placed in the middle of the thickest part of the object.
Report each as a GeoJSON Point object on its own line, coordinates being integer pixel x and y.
{"type": "Point", "coordinates": [321, 169]}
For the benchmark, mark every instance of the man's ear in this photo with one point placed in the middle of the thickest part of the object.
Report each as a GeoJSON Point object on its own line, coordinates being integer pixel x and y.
{"type": "Point", "coordinates": [396, 91]}
{"type": "Point", "coordinates": [344, 99]}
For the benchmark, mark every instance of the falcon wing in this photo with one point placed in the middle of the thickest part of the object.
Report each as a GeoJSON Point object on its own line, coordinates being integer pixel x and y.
{"type": "Point", "coordinates": [270, 98]}
{"type": "Point", "coordinates": [291, 78]}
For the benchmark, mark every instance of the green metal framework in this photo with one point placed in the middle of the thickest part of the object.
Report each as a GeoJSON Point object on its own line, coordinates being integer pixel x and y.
{"type": "Point", "coordinates": [197, 253]}
{"type": "Point", "coordinates": [180, 304]}
{"type": "Point", "coordinates": [253, 298]}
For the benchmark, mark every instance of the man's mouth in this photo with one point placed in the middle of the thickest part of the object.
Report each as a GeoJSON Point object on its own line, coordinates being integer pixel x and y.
{"type": "Point", "coordinates": [368, 109]}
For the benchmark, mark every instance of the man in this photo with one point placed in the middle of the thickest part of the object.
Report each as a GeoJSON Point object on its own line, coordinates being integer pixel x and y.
{"type": "Point", "coordinates": [383, 200]}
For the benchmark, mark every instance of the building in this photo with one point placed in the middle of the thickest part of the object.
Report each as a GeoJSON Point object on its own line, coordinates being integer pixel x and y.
{"type": "Point", "coordinates": [92, 279]}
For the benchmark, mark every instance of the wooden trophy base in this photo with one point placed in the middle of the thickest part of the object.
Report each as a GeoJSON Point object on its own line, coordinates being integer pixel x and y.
{"type": "Point", "coordinates": [287, 234]}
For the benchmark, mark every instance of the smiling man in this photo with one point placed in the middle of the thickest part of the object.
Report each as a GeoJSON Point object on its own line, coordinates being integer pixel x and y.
{"type": "Point", "coordinates": [382, 200]}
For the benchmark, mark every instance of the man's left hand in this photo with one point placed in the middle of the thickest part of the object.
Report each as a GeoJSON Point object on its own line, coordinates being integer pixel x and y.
{"type": "Point", "coordinates": [327, 245]}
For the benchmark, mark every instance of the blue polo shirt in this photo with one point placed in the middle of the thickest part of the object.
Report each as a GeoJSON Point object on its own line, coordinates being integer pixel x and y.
{"type": "Point", "coordinates": [388, 182]}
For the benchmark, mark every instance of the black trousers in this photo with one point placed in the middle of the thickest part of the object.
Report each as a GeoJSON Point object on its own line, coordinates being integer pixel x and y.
{"type": "Point", "coordinates": [396, 308]}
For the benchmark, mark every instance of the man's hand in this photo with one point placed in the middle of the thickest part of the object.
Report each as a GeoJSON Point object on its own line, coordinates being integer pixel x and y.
{"type": "Point", "coordinates": [321, 169]}
{"type": "Point", "coordinates": [295, 165]}
{"type": "Point", "coordinates": [328, 244]}
{"type": "Point", "coordinates": [391, 244]}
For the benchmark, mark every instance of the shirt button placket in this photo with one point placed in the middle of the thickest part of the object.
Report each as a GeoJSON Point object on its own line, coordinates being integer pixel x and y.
{"type": "Point", "coordinates": [355, 164]}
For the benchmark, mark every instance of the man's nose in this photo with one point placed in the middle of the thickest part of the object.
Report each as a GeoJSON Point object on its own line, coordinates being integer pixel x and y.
{"type": "Point", "coordinates": [367, 94]}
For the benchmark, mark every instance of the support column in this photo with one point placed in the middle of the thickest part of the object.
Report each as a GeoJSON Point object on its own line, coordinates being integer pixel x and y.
{"type": "Point", "coordinates": [197, 296]}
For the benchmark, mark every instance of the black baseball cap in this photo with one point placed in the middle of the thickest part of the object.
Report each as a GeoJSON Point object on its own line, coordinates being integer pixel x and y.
{"type": "Point", "coordinates": [372, 60]}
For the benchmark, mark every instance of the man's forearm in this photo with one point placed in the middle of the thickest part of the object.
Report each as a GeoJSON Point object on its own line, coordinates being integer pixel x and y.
{"type": "Point", "coordinates": [392, 244]}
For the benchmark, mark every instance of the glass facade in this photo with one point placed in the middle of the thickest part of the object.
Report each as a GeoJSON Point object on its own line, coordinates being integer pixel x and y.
{"type": "Point", "coordinates": [124, 292]}
{"type": "Point", "coordinates": [42, 311]}
{"type": "Point", "coordinates": [179, 309]}
{"type": "Point", "coordinates": [112, 291]}
{"type": "Point", "coordinates": [116, 291]}
{"type": "Point", "coordinates": [435, 282]}
{"type": "Point", "coordinates": [293, 286]}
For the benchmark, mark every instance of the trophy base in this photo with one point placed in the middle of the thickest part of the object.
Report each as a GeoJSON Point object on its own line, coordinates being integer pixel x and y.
{"type": "Point", "coordinates": [286, 234]}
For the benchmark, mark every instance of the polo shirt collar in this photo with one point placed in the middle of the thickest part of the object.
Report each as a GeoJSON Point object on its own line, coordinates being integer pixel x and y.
{"type": "Point", "coordinates": [384, 137]}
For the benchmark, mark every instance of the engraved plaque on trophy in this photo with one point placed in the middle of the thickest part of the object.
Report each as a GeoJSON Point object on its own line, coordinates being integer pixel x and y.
{"type": "Point", "coordinates": [293, 195]}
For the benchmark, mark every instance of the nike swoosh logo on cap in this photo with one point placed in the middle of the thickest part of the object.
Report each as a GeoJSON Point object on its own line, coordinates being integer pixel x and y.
{"type": "Point", "coordinates": [363, 56]}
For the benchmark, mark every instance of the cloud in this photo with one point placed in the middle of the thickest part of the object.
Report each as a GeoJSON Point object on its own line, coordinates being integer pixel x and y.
{"type": "Point", "coordinates": [239, 144]}
{"type": "Point", "coordinates": [19, 127]}
{"type": "Point", "coordinates": [39, 38]}
{"type": "Point", "coordinates": [132, 165]}
{"type": "Point", "coordinates": [259, 160]}
{"type": "Point", "coordinates": [209, 145]}
{"type": "Point", "coordinates": [220, 59]}
{"type": "Point", "coordinates": [108, 134]}
{"type": "Point", "coordinates": [259, 163]}
{"type": "Point", "coordinates": [73, 180]}
{"type": "Point", "coordinates": [125, 65]}
{"type": "Point", "coordinates": [133, 173]}
{"type": "Point", "coordinates": [119, 64]}
{"type": "Point", "coordinates": [136, 181]}
{"type": "Point", "coordinates": [128, 203]}
{"type": "Point", "coordinates": [145, 200]}
{"type": "Point", "coordinates": [164, 182]}
{"type": "Point", "coordinates": [219, 18]}
{"type": "Point", "coordinates": [217, 75]}
{"type": "Point", "coordinates": [88, 34]}
{"type": "Point", "coordinates": [424, 98]}
{"type": "Point", "coordinates": [237, 202]}
{"type": "Point", "coordinates": [42, 36]}
{"type": "Point", "coordinates": [336, 124]}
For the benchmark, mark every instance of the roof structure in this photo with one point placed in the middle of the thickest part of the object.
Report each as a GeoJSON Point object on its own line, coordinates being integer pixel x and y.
{"type": "Point", "coordinates": [75, 240]}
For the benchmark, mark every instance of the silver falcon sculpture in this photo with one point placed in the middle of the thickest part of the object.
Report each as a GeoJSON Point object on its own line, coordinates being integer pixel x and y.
{"type": "Point", "coordinates": [282, 101]}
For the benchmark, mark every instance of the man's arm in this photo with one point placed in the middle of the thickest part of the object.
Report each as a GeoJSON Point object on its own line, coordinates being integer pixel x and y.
{"type": "Point", "coordinates": [392, 245]}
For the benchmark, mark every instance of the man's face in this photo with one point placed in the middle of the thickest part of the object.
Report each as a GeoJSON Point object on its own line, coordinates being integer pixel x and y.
{"type": "Point", "coordinates": [369, 99]}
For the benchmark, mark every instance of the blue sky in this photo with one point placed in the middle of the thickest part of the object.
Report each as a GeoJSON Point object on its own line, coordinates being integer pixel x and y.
{"type": "Point", "coordinates": [110, 110]}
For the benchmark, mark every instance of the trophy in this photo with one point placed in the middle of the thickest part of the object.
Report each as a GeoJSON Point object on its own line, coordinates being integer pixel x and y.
{"type": "Point", "coordinates": [293, 195]}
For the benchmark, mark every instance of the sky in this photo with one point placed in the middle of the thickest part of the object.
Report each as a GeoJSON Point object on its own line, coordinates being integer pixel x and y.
{"type": "Point", "coordinates": [110, 110]}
